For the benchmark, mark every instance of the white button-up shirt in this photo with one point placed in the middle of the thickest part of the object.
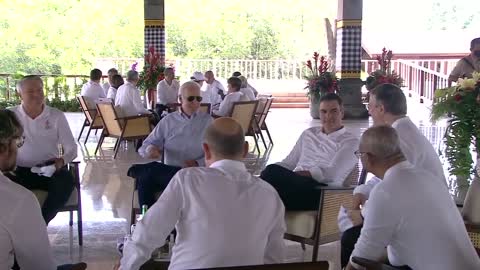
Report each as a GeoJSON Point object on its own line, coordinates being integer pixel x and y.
{"type": "Point", "coordinates": [226, 106]}
{"type": "Point", "coordinates": [112, 93]}
{"type": "Point", "coordinates": [167, 93]}
{"type": "Point", "coordinates": [106, 86]}
{"type": "Point", "coordinates": [417, 149]}
{"type": "Point", "coordinates": [92, 91]}
{"type": "Point", "coordinates": [417, 220]}
{"type": "Point", "coordinates": [215, 86]}
{"type": "Point", "coordinates": [42, 136]}
{"type": "Point", "coordinates": [329, 158]}
{"type": "Point", "coordinates": [211, 96]}
{"type": "Point", "coordinates": [129, 100]}
{"type": "Point", "coordinates": [223, 216]}
{"type": "Point", "coordinates": [23, 232]}
{"type": "Point", "coordinates": [248, 93]}
{"type": "Point", "coordinates": [180, 137]}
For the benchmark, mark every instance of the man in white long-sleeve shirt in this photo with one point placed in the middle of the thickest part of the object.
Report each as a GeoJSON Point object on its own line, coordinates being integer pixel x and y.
{"type": "Point", "coordinates": [167, 89]}
{"type": "Point", "coordinates": [223, 215]}
{"type": "Point", "coordinates": [23, 233]}
{"type": "Point", "coordinates": [234, 95]}
{"type": "Point", "coordinates": [388, 106]}
{"type": "Point", "coordinates": [128, 97]}
{"type": "Point", "coordinates": [92, 90]}
{"type": "Point", "coordinates": [322, 155]}
{"type": "Point", "coordinates": [409, 212]}
{"type": "Point", "coordinates": [45, 129]}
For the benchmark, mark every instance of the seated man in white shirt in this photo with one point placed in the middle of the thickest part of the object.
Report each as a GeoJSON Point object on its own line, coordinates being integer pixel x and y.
{"type": "Point", "coordinates": [45, 130]}
{"type": "Point", "coordinates": [214, 88]}
{"type": "Point", "coordinates": [322, 155]}
{"type": "Point", "coordinates": [167, 91]}
{"type": "Point", "coordinates": [106, 86]}
{"type": "Point", "coordinates": [409, 212]}
{"type": "Point", "coordinates": [223, 215]}
{"type": "Point", "coordinates": [128, 97]}
{"type": "Point", "coordinates": [245, 89]}
{"type": "Point", "coordinates": [92, 90]}
{"type": "Point", "coordinates": [388, 106]}
{"type": "Point", "coordinates": [238, 74]}
{"type": "Point", "coordinates": [117, 81]}
{"type": "Point", "coordinates": [234, 95]}
{"type": "Point", "coordinates": [179, 136]}
{"type": "Point", "coordinates": [23, 233]}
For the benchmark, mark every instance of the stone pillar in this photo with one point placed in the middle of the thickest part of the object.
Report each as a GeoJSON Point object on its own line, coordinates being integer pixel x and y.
{"type": "Point", "coordinates": [154, 15]}
{"type": "Point", "coordinates": [349, 56]}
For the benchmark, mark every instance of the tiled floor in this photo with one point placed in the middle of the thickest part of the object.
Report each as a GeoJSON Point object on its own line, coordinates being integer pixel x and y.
{"type": "Point", "coordinates": [107, 191]}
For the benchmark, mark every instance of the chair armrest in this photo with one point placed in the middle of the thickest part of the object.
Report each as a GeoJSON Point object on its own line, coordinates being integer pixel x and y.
{"type": "Point", "coordinates": [334, 188]}
{"type": "Point", "coordinates": [373, 265]}
{"type": "Point", "coordinates": [133, 117]}
{"type": "Point", "coordinates": [474, 228]}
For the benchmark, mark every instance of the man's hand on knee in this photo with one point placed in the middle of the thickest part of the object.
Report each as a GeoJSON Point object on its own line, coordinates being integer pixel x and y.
{"type": "Point", "coordinates": [153, 152]}
{"type": "Point", "coordinates": [304, 173]}
{"type": "Point", "coordinates": [359, 199]}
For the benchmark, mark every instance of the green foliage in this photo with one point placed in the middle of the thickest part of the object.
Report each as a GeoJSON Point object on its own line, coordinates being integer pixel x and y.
{"type": "Point", "coordinates": [64, 105]}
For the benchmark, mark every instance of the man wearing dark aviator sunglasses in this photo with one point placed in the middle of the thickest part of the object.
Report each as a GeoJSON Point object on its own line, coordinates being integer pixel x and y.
{"type": "Point", "coordinates": [20, 215]}
{"type": "Point", "coordinates": [177, 140]}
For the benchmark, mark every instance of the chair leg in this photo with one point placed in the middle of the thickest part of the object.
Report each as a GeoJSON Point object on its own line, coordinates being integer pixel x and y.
{"type": "Point", "coordinates": [256, 143]}
{"type": "Point", "coordinates": [71, 219]}
{"type": "Point", "coordinates": [268, 133]}
{"type": "Point", "coordinates": [303, 246]}
{"type": "Point", "coordinates": [80, 225]}
{"type": "Point", "coordinates": [81, 131]}
{"type": "Point", "coordinates": [117, 147]}
{"type": "Point", "coordinates": [263, 139]}
{"type": "Point", "coordinates": [88, 134]}
{"type": "Point", "coordinates": [96, 131]}
{"type": "Point", "coordinates": [315, 252]}
{"type": "Point", "coordinates": [132, 216]}
{"type": "Point", "coordinates": [100, 142]}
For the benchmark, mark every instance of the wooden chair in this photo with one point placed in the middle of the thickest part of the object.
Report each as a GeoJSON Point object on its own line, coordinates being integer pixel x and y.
{"type": "Point", "coordinates": [154, 265]}
{"type": "Point", "coordinates": [74, 203]}
{"type": "Point", "coordinates": [474, 233]}
{"type": "Point", "coordinates": [372, 265]}
{"type": "Point", "coordinates": [320, 227]}
{"type": "Point", "coordinates": [263, 108]}
{"type": "Point", "coordinates": [122, 128]}
{"type": "Point", "coordinates": [92, 119]}
{"type": "Point", "coordinates": [244, 113]}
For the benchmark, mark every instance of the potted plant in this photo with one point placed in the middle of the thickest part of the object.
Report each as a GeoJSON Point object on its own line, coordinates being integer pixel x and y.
{"type": "Point", "coordinates": [320, 81]}
{"type": "Point", "coordinates": [151, 74]}
{"type": "Point", "coordinates": [384, 74]}
{"type": "Point", "coordinates": [461, 104]}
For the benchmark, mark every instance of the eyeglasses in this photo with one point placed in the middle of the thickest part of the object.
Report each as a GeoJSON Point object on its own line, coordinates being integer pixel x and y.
{"type": "Point", "coordinates": [192, 98]}
{"type": "Point", "coordinates": [359, 154]}
{"type": "Point", "coordinates": [20, 141]}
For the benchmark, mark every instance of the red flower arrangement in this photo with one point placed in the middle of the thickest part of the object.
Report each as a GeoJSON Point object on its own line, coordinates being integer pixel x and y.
{"type": "Point", "coordinates": [384, 74]}
{"type": "Point", "coordinates": [152, 71]}
{"type": "Point", "coordinates": [320, 81]}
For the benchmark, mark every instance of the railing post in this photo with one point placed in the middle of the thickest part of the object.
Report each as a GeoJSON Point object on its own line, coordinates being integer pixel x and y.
{"type": "Point", "coordinates": [422, 85]}
{"type": "Point", "coordinates": [7, 89]}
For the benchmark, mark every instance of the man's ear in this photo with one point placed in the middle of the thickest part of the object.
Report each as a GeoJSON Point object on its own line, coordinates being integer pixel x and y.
{"type": "Point", "coordinates": [206, 151]}
{"type": "Point", "coordinates": [245, 149]}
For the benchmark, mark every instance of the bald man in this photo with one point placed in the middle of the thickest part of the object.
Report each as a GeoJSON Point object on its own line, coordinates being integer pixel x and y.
{"type": "Point", "coordinates": [223, 215]}
{"type": "Point", "coordinates": [178, 139]}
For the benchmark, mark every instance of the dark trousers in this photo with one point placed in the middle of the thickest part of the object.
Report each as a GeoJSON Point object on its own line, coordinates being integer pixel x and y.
{"type": "Point", "coordinates": [59, 188]}
{"type": "Point", "coordinates": [151, 178]}
{"type": "Point", "coordinates": [297, 192]}
{"type": "Point", "coordinates": [348, 241]}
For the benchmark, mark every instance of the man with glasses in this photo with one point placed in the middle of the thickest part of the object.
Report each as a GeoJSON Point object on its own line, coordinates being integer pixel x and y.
{"type": "Point", "coordinates": [322, 155]}
{"type": "Point", "coordinates": [40, 166]}
{"type": "Point", "coordinates": [409, 212]}
{"type": "Point", "coordinates": [23, 233]}
{"type": "Point", "coordinates": [177, 139]}
{"type": "Point", "coordinates": [388, 106]}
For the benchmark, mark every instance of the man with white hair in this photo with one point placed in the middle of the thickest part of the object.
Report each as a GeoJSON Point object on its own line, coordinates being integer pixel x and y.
{"type": "Point", "coordinates": [388, 106]}
{"type": "Point", "coordinates": [223, 215]}
{"type": "Point", "coordinates": [177, 139]}
{"type": "Point", "coordinates": [214, 86]}
{"type": "Point", "coordinates": [39, 163]}
{"type": "Point", "coordinates": [198, 78]}
{"type": "Point", "coordinates": [128, 97]}
{"type": "Point", "coordinates": [408, 212]}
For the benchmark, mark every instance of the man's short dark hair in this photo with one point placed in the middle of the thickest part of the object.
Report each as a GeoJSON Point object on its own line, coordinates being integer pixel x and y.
{"type": "Point", "coordinates": [236, 74]}
{"type": "Point", "coordinates": [332, 97]}
{"type": "Point", "coordinates": [117, 81]}
{"type": "Point", "coordinates": [391, 97]}
{"type": "Point", "coordinates": [235, 82]}
{"type": "Point", "coordinates": [10, 128]}
{"type": "Point", "coordinates": [95, 74]}
{"type": "Point", "coordinates": [227, 145]}
{"type": "Point", "coordinates": [475, 41]}
{"type": "Point", "coordinates": [113, 71]}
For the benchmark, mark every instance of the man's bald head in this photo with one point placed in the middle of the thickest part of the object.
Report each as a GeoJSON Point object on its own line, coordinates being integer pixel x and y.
{"type": "Point", "coordinates": [225, 138]}
{"type": "Point", "coordinates": [188, 88]}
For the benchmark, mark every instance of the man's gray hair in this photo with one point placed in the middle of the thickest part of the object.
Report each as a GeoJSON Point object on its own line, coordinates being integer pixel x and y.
{"type": "Point", "coordinates": [391, 97]}
{"type": "Point", "coordinates": [168, 70]}
{"type": "Point", "coordinates": [132, 75]}
{"type": "Point", "coordinates": [381, 141]}
{"type": "Point", "coordinates": [188, 85]}
{"type": "Point", "coordinates": [26, 78]}
{"type": "Point", "coordinates": [228, 142]}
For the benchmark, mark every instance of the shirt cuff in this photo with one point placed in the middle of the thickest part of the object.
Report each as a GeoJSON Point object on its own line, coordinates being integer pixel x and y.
{"type": "Point", "coordinates": [362, 189]}
{"type": "Point", "coordinates": [317, 174]}
{"type": "Point", "coordinates": [356, 266]}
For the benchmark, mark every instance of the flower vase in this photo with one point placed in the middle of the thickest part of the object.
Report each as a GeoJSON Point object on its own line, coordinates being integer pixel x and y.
{"type": "Point", "coordinates": [471, 206]}
{"type": "Point", "coordinates": [314, 106]}
{"type": "Point", "coordinates": [461, 189]}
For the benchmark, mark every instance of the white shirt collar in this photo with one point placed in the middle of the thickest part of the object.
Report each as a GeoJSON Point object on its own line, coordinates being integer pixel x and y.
{"type": "Point", "coordinates": [45, 111]}
{"type": "Point", "coordinates": [229, 165]}
{"type": "Point", "coordinates": [398, 166]}
{"type": "Point", "coordinates": [335, 134]}
{"type": "Point", "coordinates": [400, 121]}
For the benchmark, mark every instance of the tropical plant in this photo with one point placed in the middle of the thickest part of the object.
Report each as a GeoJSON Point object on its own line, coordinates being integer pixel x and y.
{"type": "Point", "coordinates": [461, 104]}
{"type": "Point", "coordinates": [152, 71]}
{"type": "Point", "coordinates": [384, 74]}
{"type": "Point", "coordinates": [320, 80]}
